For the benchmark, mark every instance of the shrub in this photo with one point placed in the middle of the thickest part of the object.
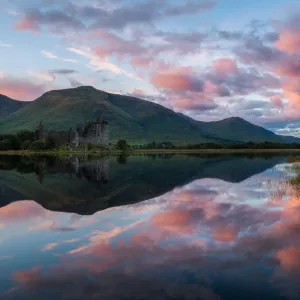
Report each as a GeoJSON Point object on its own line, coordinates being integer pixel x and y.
{"type": "Point", "coordinates": [50, 143]}
{"type": "Point", "coordinates": [25, 135]}
{"type": "Point", "coordinates": [5, 145]}
{"type": "Point", "coordinates": [37, 145]}
{"type": "Point", "coordinates": [90, 146]}
{"type": "Point", "coordinates": [9, 142]}
{"type": "Point", "coordinates": [293, 159]}
{"type": "Point", "coordinates": [26, 145]}
{"type": "Point", "coordinates": [122, 145]}
{"type": "Point", "coordinates": [122, 159]}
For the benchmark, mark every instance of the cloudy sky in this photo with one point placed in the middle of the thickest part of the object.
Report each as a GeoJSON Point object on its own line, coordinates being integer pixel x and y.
{"type": "Point", "coordinates": [209, 59]}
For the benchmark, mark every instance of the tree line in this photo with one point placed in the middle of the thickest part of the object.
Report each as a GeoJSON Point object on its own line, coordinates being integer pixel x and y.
{"type": "Point", "coordinates": [248, 145]}
{"type": "Point", "coordinates": [25, 140]}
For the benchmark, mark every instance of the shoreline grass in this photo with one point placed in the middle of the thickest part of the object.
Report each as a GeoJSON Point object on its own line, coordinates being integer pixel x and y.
{"type": "Point", "coordinates": [60, 153]}
{"type": "Point", "coordinates": [149, 151]}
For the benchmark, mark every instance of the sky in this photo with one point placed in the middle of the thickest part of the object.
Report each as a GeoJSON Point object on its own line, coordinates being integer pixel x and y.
{"type": "Point", "coordinates": [208, 59]}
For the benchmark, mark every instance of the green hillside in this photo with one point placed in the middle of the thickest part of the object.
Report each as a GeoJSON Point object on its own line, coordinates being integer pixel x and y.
{"type": "Point", "coordinates": [129, 118]}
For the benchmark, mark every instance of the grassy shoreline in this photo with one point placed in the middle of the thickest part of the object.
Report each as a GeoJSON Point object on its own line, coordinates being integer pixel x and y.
{"type": "Point", "coordinates": [145, 151]}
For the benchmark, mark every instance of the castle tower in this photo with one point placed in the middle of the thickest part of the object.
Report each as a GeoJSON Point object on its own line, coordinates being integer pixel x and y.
{"type": "Point", "coordinates": [98, 130]}
{"type": "Point", "coordinates": [70, 135]}
{"type": "Point", "coordinates": [39, 133]}
{"type": "Point", "coordinates": [104, 133]}
{"type": "Point", "coordinates": [104, 171]}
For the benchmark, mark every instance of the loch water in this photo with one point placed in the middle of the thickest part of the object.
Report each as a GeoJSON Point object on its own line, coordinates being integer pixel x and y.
{"type": "Point", "coordinates": [208, 227]}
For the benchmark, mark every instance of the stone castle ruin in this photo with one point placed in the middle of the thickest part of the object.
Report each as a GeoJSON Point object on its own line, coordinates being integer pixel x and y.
{"type": "Point", "coordinates": [95, 133]}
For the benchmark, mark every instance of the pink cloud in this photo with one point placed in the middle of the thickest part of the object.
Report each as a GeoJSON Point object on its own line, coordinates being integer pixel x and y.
{"type": "Point", "coordinates": [140, 62]}
{"type": "Point", "coordinates": [177, 79]}
{"type": "Point", "coordinates": [291, 91]}
{"type": "Point", "coordinates": [289, 35]}
{"type": "Point", "coordinates": [112, 44]}
{"type": "Point", "coordinates": [293, 97]}
{"type": "Point", "coordinates": [196, 101]}
{"type": "Point", "coordinates": [21, 89]}
{"type": "Point", "coordinates": [56, 20]}
{"type": "Point", "coordinates": [184, 88]}
{"type": "Point", "coordinates": [27, 24]}
{"type": "Point", "coordinates": [215, 89]}
{"type": "Point", "coordinates": [289, 41]}
{"type": "Point", "coordinates": [225, 65]}
{"type": "Point", "coordinates": [138, 92]}
{"type": "Point", "coordinates": [289, 66]}
{"type": "Point", "coordinates": [277, 101]}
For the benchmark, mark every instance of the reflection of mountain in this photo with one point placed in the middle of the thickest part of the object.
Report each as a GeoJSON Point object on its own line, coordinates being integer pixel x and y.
{"type": "Point", "coordinates": [84, 187]}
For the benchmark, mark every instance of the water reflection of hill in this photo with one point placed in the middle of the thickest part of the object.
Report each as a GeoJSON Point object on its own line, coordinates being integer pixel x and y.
{"type": "Point", "coordinates": [86, 186]}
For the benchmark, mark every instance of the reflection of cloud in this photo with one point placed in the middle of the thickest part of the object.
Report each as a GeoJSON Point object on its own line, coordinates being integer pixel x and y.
{"type": "Point", "coordinates": [192, 232]}
{"type": "Point", "coordinates": [43, 225]}
{"type": "Point", "coordinates": [103, 286]}
{"type": "Point", "coordinates": [51, 246]}
{"type": "Point", "coordinates": [21, 211]}
{"type": "Point", "coordinates": [225, 234]}
{"type": "Point", "coordinates": [178, 221]}
{"type": "Point", "coordinates": [289, 258]}
{"type": "Point", "coordinates": [99, 237]}
{"type": "Point", "coordinates": [27, 277]}
{"type": "Point", "coordinates": [5, 257]}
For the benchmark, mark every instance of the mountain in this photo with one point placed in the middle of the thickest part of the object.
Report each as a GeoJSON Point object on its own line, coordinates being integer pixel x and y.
{"type": "Point", "coordinates": [236, 128]}
{"type": "Point", "coordinates": [131, 118]}
{"type": "Point", "coordinates": [9, 106]}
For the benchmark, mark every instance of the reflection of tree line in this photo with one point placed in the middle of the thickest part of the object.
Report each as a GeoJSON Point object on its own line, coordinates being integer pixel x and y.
{"type": "Point", "coordinates": [92, 170]}
{"type": "Point", "coordinates": [122, 158]}
{"type": "Point", "coordinates": [143, 177]}
{"type": "Point", "coordinates": [95, 170]}
{"type": "Point", "coordinates": [82, 166]}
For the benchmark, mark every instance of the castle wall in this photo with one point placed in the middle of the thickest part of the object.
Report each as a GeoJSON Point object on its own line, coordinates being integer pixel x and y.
{"type": "Point", "coordinates": [60, 138]}
{"type": "Point", "coordinates": [93, 132]}
{"type": "Point", "coordinates": [104, 133]}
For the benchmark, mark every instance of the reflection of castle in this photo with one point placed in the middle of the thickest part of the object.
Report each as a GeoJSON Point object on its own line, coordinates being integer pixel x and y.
{"type": "Point", "coordinates": [91, 132]}
{"type": "Point", "coordinates": [92, 170]}
{"type": "Point", "coordinates": [96, 170]}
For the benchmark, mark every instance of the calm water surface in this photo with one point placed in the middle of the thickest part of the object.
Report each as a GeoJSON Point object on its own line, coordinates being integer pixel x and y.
{"type": "Point", "coordinates": [148, 227]}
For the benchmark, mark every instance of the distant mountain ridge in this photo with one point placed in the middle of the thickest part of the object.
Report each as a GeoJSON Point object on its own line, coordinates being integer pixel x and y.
{"type": "Point", "coordinates": [131, 118]}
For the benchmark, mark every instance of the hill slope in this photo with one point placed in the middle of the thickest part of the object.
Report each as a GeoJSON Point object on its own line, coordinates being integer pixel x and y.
{"type": "Point", "coordinates": [9, 106]}
{"type": "Point", "coordinates": [129, 118]}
